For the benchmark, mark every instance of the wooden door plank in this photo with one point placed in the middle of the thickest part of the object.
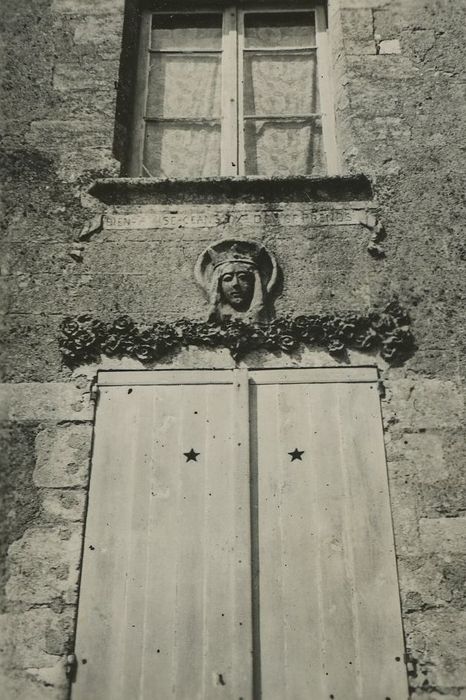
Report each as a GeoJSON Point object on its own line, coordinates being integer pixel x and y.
{"type": "Point", "coordinates": [302, 590]}
{"type": "Point", "coordinates": [159, 629]}
{"type": "Point", "coordinates": [333, 564]}
{"type": "Point", "coordinates": [106, 545]}
{"type": "Point", "coordinates": [271, 604]}
{"type": "Point", "coordinates": [380, 634]}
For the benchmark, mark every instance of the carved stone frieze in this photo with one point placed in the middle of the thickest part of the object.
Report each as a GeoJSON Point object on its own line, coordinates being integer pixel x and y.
{"type": "Point", "coordinates": [84, 339]}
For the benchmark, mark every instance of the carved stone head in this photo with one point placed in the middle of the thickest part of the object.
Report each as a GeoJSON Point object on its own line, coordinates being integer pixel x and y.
{"type": "Point", "coordinates": [238, 278]}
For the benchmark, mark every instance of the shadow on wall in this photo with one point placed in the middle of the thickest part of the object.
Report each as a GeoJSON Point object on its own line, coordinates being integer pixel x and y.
{"type": "Point", "coordinates": [126, 82]}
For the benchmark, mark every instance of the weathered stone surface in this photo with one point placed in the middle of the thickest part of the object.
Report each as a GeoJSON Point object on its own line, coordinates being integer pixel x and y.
{"type": "Point", "coordinates": [83, 76]}
{"type": "Point", "coordinates": [434, 581]}
{"type": "Point", "coordinates": [420, 42]}
{"type": "Point", "coordinates": [358, 31]}
{"type": "Point", "coordinates": [422, 583]}
{"type": "Point", "coordinates": [383, 68]}
{"type": "Point", "coordinates": [63, 504]}
{"type": "Point", "coordinates": [390, 46]}
{"type": "Point", "coordinates": [104, 30]}
{"type": "Point", "coordinates": [73, 164]}
{"type": "Point", "coordinates": [444, 498]}
{"type": "Point", "coordinates": [358, 4]}
{"type": "Point", "coordinates": [53, 401]}
{"type": "Point", "coordinates": [36, 638]}
{"type": "Point", "coordinates": [405, 514]}
{"type": "Point", "coordinates": [425, 404]}
{"type": "Point", "coordinates": [443, 534]}
{"type": "Point", "coordinates": [421, 455]}
{"type": "Point", "coordinates": [67, 134]}
{"type": "Point", "coordinates": [44, 565]}
{"type": "Point", "coordinates": [62, 456]}
{"type": "Point", "coordinates": [87, 7]}
{"type": "Point", "coordinates": [18, 685]}
{"type": "Point", "coordinates": [436, 639]}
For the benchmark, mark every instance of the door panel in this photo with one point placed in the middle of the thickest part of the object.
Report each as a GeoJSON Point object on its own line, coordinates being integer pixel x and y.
{"type": "Point", "coordinates": [165, 601]}
{"type": "Point", "coordinates": [330, 623]}
{"type": "Point", "coordinates": [260, 565]}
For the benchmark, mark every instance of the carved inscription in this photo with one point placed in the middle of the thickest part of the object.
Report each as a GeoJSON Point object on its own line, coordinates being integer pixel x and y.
{"type": "Point", "coordinates": [216, 218]}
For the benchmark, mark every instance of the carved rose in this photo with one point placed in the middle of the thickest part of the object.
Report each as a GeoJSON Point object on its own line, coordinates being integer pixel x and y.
{"type": "Point", "coordinates": [310, 329]}
{"type": "Point", "coordinates": [397, 346]}
{"type": "Point", "coordinates": [123, 325]}
{"type": "Point", "coordinates": [81, 338]}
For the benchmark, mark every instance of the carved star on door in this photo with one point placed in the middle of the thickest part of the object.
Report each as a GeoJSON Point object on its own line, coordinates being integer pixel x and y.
{"type": "Point", "coordinates": [296, 454]}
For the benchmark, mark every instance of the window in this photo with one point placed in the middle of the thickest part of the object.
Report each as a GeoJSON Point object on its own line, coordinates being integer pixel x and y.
{"type": "Point", "coordinates": [234, 92]}
{"type": "Point", "coordinates": [233, 511]}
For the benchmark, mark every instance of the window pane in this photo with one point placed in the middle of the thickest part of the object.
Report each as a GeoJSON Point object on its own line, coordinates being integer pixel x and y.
{"type": "Point", "coordinates": [284, 148]}
{"type": "Point", "coordinates": [275, 29]}
{"type": "Point", "coordinates": [184, 86]}
{"type": "Point", "coordinates": [181, 31]}
{"type": "Point", "coordinates": [182, 150]}
{"type": "Point", "coordinates": [276, 84]}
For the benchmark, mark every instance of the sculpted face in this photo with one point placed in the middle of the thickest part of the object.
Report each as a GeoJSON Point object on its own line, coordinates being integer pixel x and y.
{"type": "Point", "coordinates": [237, 286]}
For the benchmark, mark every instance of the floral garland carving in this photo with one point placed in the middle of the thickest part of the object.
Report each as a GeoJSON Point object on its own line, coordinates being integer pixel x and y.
{"type": "Point", "coordinates": [84, 339]}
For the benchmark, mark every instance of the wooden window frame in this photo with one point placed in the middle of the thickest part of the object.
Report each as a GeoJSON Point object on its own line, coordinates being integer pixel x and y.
{"type": "Point", "coordinates": [232, 147]}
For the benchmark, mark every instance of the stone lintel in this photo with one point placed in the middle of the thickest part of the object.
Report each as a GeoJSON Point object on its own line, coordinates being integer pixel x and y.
{"type": "Point", "coordinates": [225, 189]}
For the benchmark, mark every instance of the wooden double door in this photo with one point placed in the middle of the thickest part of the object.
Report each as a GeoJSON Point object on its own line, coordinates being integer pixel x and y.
{"type": "Point", "coordinates": [239, 540]}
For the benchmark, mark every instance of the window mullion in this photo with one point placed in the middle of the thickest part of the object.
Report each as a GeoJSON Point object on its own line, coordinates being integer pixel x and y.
{"type": "Point", "coordinates": [325, 91]}
{"type": "Point", "coordinates": [229, 147]}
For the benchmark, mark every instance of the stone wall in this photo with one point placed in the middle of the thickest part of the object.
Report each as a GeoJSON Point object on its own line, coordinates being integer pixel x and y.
{"type": "Point", "coordinates": [400, 94]}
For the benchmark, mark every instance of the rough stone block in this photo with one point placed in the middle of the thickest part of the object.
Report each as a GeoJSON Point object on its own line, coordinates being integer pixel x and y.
{"type": "Point", "coordinates": [87, 7]}
{"type": "Point", "coordinates": [104, 31]}
{"type": "Point", "coordinates": [404, 506]}
{"type": "Point", "coordinates": [358, 33]}
{"type": "Point", "coordinates": [388, 24]}
{"type": "Point", "coordinates": [392, 131]}
{"type": "Point", "coordinates": [86, 75]}
{"type": "Point", "coordinates": [66, 134]}
{"type": "Point", "coordinates": [424, 404]}
{"type": "Point", "coordinates": [55, 676]}
{"type": "Point", "coordinates": [423, 583]}
{"type": "Point", "coordinates": [390, 46]}
{"type": "Point", "coordinates": [421, 42]}
{"type": "Point", "coordinates": [361, 4]}
{"type": "Point", "coordinates": [44, 565]}
{"type": "Point", "coordinates": [52, 401]}
{"type": "Point", "coordinates": [441, 694]}
{"type": "Point", "coordinates": [36, 638]}
{"type": "Point", "coordinates": [433, 581]}
{"type": "Point", "coordinates": [63, 504]}
{"type": "Point", "coordinates": [437, 640]}
{"type": "Point", "coordinates": [444, 498]}
{"type": "Point", "coordinates": [74, 163]}
{"type": "Point", "coordinates": [62, 456]}
{"type": "Point", "coordinates": [420, 455]}
{"type": "Point", "coordinates": [397, 69]}
{"type": "Point", "coordinates": [443, 534]}
{"type": "Point", "coordinates": [21, 685]}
